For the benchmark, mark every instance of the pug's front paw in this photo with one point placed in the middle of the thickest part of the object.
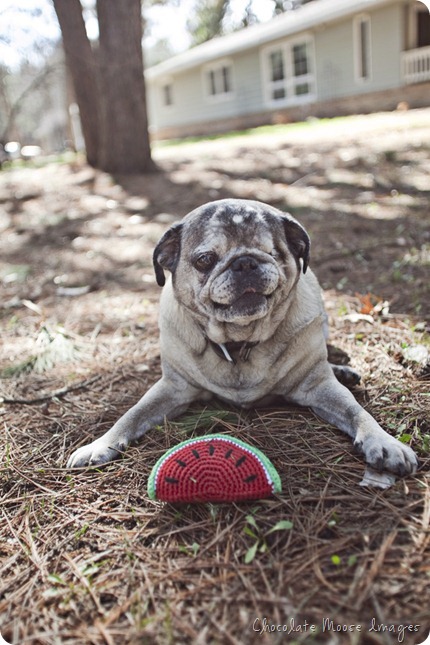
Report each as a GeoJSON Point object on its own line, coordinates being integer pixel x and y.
{"type": "Point", "coordinates": [384, 452]}
{"type": "Point", "coordinates": [97, 453]}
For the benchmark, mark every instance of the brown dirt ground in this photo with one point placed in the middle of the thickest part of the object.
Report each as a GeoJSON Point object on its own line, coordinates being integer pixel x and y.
{"type": "Point", "coordinates": [85, 556]}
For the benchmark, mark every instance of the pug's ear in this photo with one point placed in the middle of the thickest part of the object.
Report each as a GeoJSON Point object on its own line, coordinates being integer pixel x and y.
{"type": "Point", "coordinates": [297, 239]}
{"type": "Point", "coordinates": [166, 253]}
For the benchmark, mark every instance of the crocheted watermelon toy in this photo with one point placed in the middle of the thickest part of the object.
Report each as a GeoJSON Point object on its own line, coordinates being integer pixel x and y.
{"type": "Point", "coordinates": [214, 468]}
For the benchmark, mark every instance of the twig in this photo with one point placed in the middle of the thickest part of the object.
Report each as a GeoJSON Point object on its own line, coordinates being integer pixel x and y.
{"type": "Point", "coordinates": [366, 586]}
{"type": "Point", "coordinates": [35, 483]}
{"type": "Point", "coordinates": [53, 395]}
{"type": "Point", "coordinates": [103, 631]}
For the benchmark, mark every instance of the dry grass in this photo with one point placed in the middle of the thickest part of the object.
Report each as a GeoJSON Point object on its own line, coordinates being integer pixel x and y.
{"type": "Point", "coordinates": [86, 557]}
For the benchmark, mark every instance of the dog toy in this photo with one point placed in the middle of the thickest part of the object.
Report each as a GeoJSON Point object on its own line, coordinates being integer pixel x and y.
{"type": "Point", "coordinates": [214, 468]}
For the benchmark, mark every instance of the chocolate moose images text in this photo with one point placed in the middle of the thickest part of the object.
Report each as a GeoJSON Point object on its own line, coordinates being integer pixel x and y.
{"type": "Point", "coordinates": [264, 625]}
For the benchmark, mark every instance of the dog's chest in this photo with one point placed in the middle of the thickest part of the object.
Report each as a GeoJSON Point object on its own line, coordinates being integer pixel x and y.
{"type": "Point", "coordinates": [241, 378]}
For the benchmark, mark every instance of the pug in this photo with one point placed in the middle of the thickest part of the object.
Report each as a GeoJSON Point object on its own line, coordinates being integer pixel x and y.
{"type": "Point", "coordinates": [242, 319]}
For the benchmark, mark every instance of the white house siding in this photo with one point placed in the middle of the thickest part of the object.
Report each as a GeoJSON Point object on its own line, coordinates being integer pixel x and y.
{"type": "Point", "coordinates": [249, 82]}
{"type": "Point", "coordinates": [186, 100]}
{"type": "Point", "coordinates": [335, 55]}
{"type": "Point", "coordinates": [387, 43]}
{"type": "Point", "coordinates": [334, 60]}
{"type": "Point", "coordinates": [192, 105]}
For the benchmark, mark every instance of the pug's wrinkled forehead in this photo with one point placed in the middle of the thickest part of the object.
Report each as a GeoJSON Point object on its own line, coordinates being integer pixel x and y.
{"type": "Point", "coordinates": [248, 223]}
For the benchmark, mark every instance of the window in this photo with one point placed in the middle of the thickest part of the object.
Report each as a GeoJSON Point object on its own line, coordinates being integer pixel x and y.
{"type": "Point", "coordinates": [167, 94]}
{"type": "Point", "coordinates": [300, 59]}
{"type": "Point", "coordinates": [218, 80]}
{"type": "Point", "coordinates": [362, 48]}
{"type": "Point", "coordinates": [418, 21]}
{"type": "Point", "coordinates": [277, 66]}
{"type": "Point", "coordinates": [277, 74]}
{"type": "Point", "coordinates": [423, 28]}
{"type": "Point", "coordinates": [289, 72]}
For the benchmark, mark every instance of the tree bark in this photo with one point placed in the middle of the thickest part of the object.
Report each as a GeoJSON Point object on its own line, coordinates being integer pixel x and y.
{"type": "Point", "coordinates": [81, 63]}
{"type": "Point", "coordinates": [109, 84]}
{"type": "Point", "coordinates": [125, 146]}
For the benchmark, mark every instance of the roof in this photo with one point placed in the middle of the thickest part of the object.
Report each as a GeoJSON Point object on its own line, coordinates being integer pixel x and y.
{"type": "Point", "coordinates": [289, 23]}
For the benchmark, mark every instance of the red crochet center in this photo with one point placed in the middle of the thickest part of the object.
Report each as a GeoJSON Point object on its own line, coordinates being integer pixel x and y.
{"type": "Point", "coordinates": [212, 470]}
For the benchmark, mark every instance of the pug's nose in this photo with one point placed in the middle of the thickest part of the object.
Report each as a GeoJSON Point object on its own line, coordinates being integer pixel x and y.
{"type": "Point", "coordinates": [244, 263]}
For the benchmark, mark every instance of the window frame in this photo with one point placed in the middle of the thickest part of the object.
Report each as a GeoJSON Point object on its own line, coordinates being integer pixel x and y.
{"type": "Point", "coordinates": [166, 82]}
{"type": "Point", "coordinates": [210, 77]}
{"type": "Point", "coordinates": [290, 82]}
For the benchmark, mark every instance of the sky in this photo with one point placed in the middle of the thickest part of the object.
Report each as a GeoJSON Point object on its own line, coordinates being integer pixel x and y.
{"type": "Point", "coordinates": [170, 22]}
{"type": "Point", "coordinates": [19, 30]}
{"type": "Point", "coordinates": [22, 24]}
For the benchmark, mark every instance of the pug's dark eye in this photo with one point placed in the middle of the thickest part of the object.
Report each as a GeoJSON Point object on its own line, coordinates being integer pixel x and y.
{"type": "Point", "coordinates": [205, 261]}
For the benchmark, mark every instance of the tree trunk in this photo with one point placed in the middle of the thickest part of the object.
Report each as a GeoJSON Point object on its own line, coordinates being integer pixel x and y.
{"type": "Point", "coordinates": [125, 147]}
{"type": "Point", "coordinates": [109, 84]}
{"type": "Point", "coordinates": [81, 64]}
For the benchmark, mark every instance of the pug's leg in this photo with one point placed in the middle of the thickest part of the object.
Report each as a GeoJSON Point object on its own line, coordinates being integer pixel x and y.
{"type": "Point", "coordinates": [334, 403]}
{"type": "Point", "coordinates": [346, 375]}
{"type": "Point", "coordinates": [169, 397]}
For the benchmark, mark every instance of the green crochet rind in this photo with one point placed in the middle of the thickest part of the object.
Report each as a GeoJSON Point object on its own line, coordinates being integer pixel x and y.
{"type": "Point", "coordinates": [271, 472]}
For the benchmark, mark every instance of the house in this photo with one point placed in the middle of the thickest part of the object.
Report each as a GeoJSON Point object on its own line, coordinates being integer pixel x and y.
{"type": "Point", "coordinates": [327, 58]}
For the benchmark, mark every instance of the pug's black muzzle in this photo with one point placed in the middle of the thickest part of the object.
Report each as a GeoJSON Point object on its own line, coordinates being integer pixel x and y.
{"type": "Point", "coordinates": [249, 276]}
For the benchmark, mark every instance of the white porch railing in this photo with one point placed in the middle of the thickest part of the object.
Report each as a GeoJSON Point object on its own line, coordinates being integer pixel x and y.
{"type": "Point", "coordinates": [416, 65]}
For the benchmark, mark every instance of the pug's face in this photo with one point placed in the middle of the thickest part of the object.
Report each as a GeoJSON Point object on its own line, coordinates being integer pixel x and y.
{"type": "Point", "coordinates": [233, 261]}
